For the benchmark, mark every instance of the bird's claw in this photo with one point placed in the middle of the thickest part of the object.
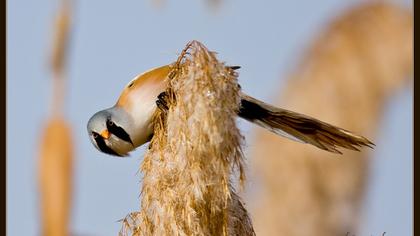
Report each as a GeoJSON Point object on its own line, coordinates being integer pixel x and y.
{"type": "Point", "coordinates": [161, 101]}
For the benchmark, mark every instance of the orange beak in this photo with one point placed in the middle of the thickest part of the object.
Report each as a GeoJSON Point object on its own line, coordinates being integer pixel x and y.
{"type": "Point", "coordinates": [105, 134]}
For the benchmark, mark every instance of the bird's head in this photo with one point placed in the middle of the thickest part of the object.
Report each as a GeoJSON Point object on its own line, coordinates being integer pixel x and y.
{"type": "Point", "coordinates": [109, 131]}
{"type": "Point", "coordinates": [128, 124]}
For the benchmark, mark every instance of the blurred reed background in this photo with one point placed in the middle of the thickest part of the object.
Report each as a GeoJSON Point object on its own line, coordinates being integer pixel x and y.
{"type": "Point", "coordinates": [346, 78]}
{"type": "Point", "coordinates": [55, 167]}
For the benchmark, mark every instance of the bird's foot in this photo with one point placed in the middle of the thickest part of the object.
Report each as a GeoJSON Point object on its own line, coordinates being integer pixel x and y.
{"type": "Point", "coordinates": [161, 101]}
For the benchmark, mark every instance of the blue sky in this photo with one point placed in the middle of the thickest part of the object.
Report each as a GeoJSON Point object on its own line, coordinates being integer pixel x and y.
{"type": "Point", "coordinates": [112, 41]}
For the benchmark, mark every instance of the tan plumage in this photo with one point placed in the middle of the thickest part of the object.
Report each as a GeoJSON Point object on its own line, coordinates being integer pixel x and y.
{"type": "Point", "coordinates": [143, 83]}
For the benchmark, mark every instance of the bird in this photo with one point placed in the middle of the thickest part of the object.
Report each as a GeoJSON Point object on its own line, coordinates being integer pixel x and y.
{"type": "Point", "coordinates": [120, 129]}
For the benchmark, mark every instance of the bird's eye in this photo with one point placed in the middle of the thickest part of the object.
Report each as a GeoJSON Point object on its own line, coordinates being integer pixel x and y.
{"type": "Point", "coordinates": [110, 123]}
{"type": "Point", "coordinates": [95, 135]}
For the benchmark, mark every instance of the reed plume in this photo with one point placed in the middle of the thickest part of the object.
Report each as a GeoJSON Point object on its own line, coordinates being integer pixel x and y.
{"type": "Point", "coordinates": [196, 147]}
{"type": "Point", "coordinates": [55, 176]}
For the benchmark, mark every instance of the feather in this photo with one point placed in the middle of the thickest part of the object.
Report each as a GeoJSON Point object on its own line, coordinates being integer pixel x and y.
{"type": "Point", "coordinates": [300, 127]}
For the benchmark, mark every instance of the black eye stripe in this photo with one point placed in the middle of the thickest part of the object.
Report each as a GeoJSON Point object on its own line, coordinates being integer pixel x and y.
{"type": "Point", "coordinates": [119, 132]}
{"type": "Point", "coordinates": [102, 145]}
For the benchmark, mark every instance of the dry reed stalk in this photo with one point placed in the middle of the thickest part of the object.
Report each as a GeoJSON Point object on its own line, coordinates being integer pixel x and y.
{"type": "Point", "coordinates": [196, 147]}
{"type": "Point", "coordinates": [60, 39]}
{"type": "Point", "coordinates": [56, 150]}
{"type": "Point", "coordinates": [363, 58]}
{"type": "Point", "coordinates": [58, 57]}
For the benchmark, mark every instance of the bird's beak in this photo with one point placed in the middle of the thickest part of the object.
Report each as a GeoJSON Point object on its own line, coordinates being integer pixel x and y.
{"type": "Point", "coordinates": [105, 134]}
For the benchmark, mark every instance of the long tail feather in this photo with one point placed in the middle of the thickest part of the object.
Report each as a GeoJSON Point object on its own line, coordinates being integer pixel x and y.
{"type": "Point", "coordinates": [300, 127]}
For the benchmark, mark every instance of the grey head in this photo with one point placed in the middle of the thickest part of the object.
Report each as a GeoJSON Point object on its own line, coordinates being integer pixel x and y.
{"type": "Point", "coordinates": [109, 131]}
